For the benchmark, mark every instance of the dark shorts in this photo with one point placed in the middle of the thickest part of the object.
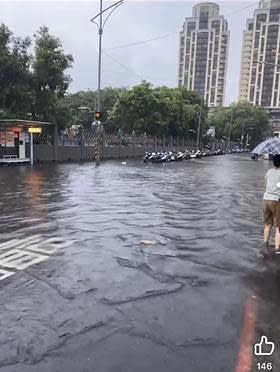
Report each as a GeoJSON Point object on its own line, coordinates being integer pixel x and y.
{"type": "Point", "coordinates": [271, 212]}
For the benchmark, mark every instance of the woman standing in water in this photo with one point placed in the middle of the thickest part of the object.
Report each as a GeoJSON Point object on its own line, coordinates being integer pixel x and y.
{"type": "Point", "coordinates": [271, 205]}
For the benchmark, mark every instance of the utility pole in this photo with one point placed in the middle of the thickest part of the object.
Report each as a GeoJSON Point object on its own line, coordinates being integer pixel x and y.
{"type": "Point", "coordinates": [242, 135]}
{"type": "Point", "coordinates": [230, 129]}
{"type": "Point", "coordinates": [247, 140]}
{"type": "Point", "coordinates": [199, 125]}
{"type": "Point", "coordinates": [100, 32]}
{"type": "Point", "coordinates": [100, 25]}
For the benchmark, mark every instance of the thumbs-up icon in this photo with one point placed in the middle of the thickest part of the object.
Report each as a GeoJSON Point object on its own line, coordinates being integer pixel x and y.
{"type": "Point", "coordinates": [264, 347]}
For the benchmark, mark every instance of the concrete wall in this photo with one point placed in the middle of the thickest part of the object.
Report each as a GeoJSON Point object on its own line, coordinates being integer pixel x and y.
{"type": "Point", "coordinates": [43, 153]}
{"type": "Point", "coordinates": [64, 153]}
{"type": "Point", "coordinates": [46, 153]}
{"type": "Point", "coordinates": [69, 153]}
{"type": "Point", "coordinates": [125, 152]}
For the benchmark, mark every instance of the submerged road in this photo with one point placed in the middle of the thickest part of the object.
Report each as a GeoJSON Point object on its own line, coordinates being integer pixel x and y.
{"type": "Point", "coordinates": [79, 293]}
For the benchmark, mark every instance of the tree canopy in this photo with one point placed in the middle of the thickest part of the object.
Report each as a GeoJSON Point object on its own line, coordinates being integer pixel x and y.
{"type": "Point", "coordinates": [157, 111]}
{"type": "Point", "coordinates": [32, 85]}
{"type": "Point", "coordinates": [238, 118]}
{"type": "Point", "coordinates": [15, 74]}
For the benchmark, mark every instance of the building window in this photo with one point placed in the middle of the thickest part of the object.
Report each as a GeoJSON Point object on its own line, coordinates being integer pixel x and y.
{"type": "Point", "coordinates": [215, 61]}
{"type": "Point", "coordinates": [262, 45]}
{"type": "Point", "coordinates": [257, 39]}
{"type": "Point", "coordinates": [203, 19]}
{"type": "Point", "coordinates": [192, 49]}
{"type": "Point", "coordinates": [259, 80]}
{"type": "Point", "coordinates": [274, 14]}
{"type": "Point", "coordinates": [216, 26]}
{"type": "Point", "coordinates": [252, 92]}
{"type": "Point", "coordinates": [216, 45]}
{"type": "Point", "coordinates": [190, 27]}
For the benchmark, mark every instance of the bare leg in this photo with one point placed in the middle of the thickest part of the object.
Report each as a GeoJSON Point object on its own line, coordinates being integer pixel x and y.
{"type": "Point", "coordinates": [266, 234]}
{"type": "Point", "coordinates": [277, 239]}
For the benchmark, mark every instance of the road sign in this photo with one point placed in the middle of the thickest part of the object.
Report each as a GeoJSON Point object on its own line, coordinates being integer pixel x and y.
{"type": "Point", "coordinates": [35, 130]}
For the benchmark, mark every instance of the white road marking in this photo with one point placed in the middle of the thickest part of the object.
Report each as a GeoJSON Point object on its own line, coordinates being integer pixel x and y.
{"type": "Point", "coordinates": [19, 254]}
{"type": "Point", "coordinates": [19, 242]}
{"type": "Point", "coordinates": [9, 244]}
{"type": "Point", "coordinates": [48, 249]}
{"type": "Point", "coordinates": [5, 274]}
{"type": "Point", "coordinates": [20, 260]}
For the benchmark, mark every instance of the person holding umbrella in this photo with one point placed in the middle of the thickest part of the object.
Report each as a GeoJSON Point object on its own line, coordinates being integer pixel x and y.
{"type": "Point", "coordinates": [271, 205]}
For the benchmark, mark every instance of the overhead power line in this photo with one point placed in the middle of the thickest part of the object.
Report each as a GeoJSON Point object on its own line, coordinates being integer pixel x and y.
{"type": "Point", "coordinates": [143, 77]}
{"type": "Point", "coordinates": [143, 41]}
{"type": "Point", "coordinates": [140, 76]}
{"type": "Point", "coordinates": [241, 9]}
{"type": "Point", "coordinates": [175, 33]}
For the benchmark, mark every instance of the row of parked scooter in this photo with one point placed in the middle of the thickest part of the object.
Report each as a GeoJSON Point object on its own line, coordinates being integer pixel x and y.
{"type": "Point", "coordinates": [168, 156]}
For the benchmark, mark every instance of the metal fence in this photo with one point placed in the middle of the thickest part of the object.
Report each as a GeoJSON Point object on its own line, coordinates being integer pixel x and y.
{"type": "Point", "coordinates": [89, 138]}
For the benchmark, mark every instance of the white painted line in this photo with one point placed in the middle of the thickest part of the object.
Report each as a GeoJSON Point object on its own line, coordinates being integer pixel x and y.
{"type": "Point", "coordinates": [20, 260]}
{"type": "Point", "coordinates": [5, 274]}
{"type": "Point", "coordinates": [14, 243]}
{"type": "Point", "coordinates": [31, 239]}
{"type": "Point", "coordinates": [37, 248]}
{"type": "Point", "coordinates": [9, 244]}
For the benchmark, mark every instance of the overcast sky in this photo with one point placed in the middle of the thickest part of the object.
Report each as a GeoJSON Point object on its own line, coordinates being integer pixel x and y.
{"type": "Point", "coordinates": [134, 21]}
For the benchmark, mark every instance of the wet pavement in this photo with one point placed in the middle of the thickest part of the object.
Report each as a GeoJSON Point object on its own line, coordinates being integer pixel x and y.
{"type": "Point", "coordinates": [79, 293]}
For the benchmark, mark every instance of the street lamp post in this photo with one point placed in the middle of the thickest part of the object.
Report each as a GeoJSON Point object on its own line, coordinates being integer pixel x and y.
{"type": "Point", "coordinates": [100, 25]}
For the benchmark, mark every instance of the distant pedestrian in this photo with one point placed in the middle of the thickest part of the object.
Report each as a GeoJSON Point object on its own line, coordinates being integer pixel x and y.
{"type": "Point", "coordinates": [271, 205]}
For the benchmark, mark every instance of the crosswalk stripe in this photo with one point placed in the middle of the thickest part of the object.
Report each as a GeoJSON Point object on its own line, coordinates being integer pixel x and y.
{"type": "Point", "coordinates": [5, 274]}
{"type": "Point", "coordinates": [16, 259]}
{"type": "Point", "coordinates": [21, 253]}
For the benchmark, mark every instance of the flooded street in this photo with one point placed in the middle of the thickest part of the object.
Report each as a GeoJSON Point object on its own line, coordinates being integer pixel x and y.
{"type": "Point", "coordinates": [79, 293]}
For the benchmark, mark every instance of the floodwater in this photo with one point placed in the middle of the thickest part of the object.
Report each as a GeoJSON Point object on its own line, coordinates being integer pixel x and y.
{"type": "Point", "coordinates": [79, 293]}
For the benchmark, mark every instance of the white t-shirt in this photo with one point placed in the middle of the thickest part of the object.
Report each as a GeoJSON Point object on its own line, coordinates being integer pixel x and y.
{"type": "Point", "coordinates": [272, 178]}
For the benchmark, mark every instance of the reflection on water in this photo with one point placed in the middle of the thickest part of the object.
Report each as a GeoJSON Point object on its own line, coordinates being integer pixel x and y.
{"type": "Point", "coordinates": [33, 183]}
{"type": "Point", "coordinates": [205, 217]}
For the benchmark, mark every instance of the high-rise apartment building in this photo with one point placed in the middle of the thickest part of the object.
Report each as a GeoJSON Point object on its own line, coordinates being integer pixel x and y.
{"type": "Point", "coordinates": [259, 82]}
{"type": "Point", "coordinates": [203, 53]}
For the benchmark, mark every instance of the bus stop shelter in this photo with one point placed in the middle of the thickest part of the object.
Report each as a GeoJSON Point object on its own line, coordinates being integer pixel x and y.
{"type": "Point", "coordinates": [16, 140]}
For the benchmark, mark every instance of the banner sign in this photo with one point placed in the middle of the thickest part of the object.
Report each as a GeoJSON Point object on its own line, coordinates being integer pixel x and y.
{"type": "Point", "coordinates": [2, 139]}
{"type": "Point", "coordinates": [10, 139]}
{"type": "Point", "coordinates": [7, 139]}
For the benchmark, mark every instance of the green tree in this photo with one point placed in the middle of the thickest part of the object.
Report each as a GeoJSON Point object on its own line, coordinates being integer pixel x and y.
{"type": "Point", "coordinates": [15, 77]}
{"type": "Point", "coordinates": [50, 81]}
{"type": "Point", "coordinates": [80, 106]}
{"type": "Point", "coordinates": [238, 118]}
{"type": "Point", "coordinates": [157, 111]}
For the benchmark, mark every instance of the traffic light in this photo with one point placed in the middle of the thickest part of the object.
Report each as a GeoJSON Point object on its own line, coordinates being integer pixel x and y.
{"type": "Point", "coordinates": [98, 115]}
